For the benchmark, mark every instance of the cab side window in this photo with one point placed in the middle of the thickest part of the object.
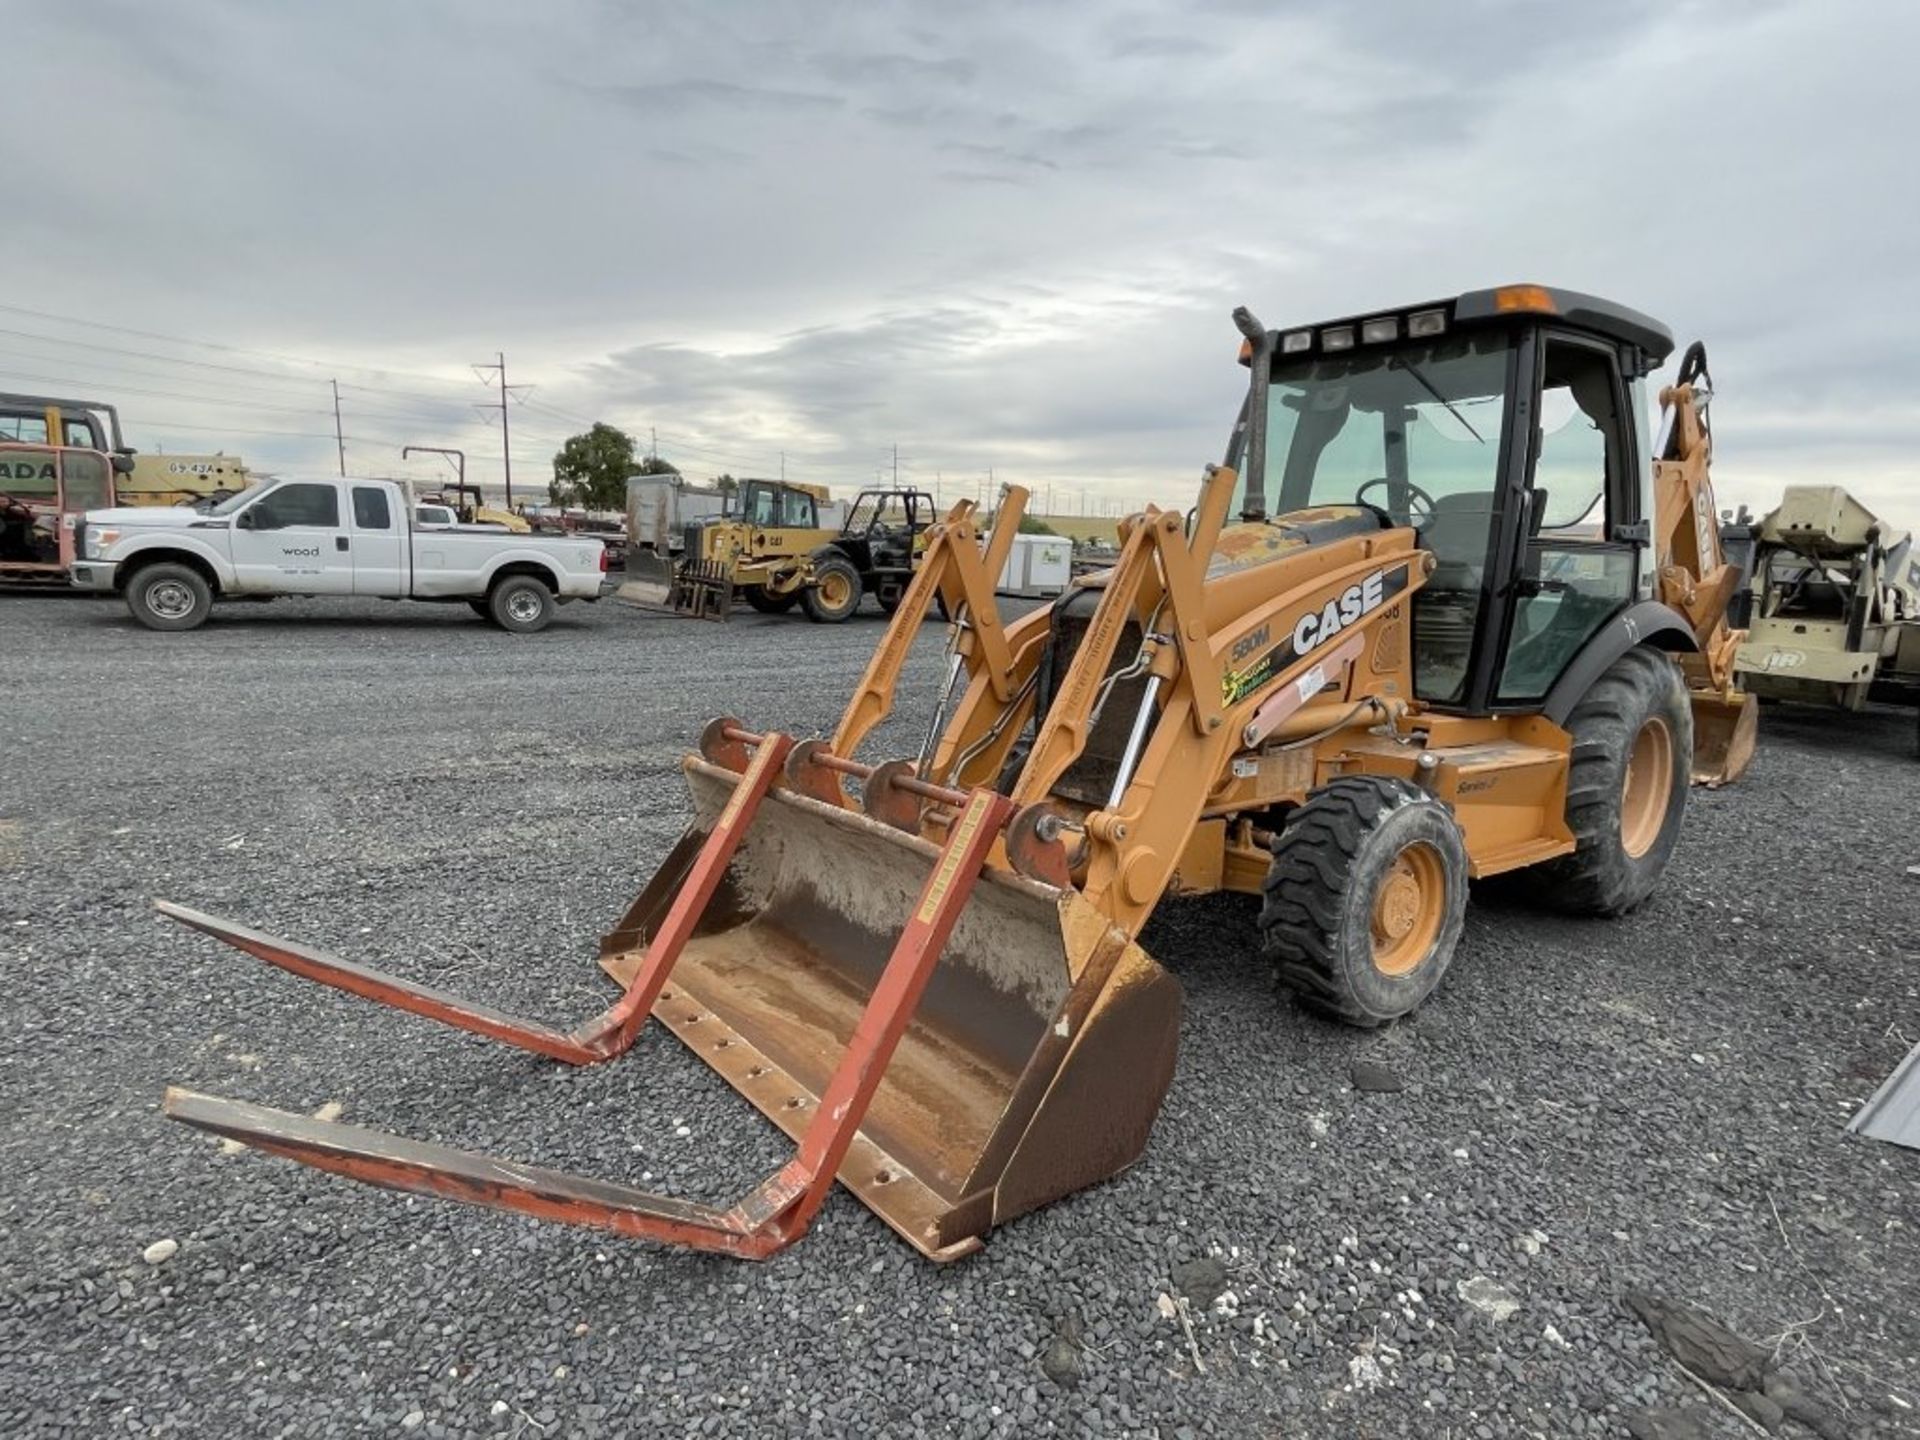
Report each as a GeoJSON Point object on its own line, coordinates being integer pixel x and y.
{"type": "Point", "coordinates": [286, 506]}
{"type": "Point", "coordinates": [370, 509]}
{"type": "Point", "coordinates": [797, 510]}
{"type": "Point", "coordinates": [24, 429]}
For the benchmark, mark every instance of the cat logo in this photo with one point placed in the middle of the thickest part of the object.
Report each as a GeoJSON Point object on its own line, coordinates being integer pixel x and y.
{"type": "Point", "coordinates": [1316, 627]}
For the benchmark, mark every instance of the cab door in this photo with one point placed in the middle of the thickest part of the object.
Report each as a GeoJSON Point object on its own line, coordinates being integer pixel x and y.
{"type": "Point", "coordinates": [1579, 558]}
{"type": "Point", "coordinates": [291, 541]}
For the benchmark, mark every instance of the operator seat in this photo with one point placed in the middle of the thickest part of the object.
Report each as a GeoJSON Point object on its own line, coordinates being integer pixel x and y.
{"type": "Point", "coordinates": [1457, 536]}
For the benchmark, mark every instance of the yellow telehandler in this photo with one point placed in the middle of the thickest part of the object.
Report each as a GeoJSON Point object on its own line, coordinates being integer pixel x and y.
{"type": "Point", "coordinates": [1434, 617]}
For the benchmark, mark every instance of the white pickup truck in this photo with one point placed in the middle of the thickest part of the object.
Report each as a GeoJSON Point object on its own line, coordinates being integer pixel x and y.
{"type": "Point", "coordinates": [326, 537]}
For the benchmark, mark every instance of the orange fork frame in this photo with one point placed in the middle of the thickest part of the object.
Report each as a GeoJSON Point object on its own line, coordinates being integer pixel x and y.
{"type": "Point", "coordinates": [772, 1215]}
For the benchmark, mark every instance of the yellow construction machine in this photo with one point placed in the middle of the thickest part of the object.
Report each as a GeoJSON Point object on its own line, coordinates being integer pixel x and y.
{"type": "Point", "coordinates": [770, 549]}
{"type": "Point", "coordinates": [1432, 618]}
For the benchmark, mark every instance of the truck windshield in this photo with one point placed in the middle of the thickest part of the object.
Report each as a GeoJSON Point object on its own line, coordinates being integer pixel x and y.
{"type": "Point", "coordinates": [241, 497]}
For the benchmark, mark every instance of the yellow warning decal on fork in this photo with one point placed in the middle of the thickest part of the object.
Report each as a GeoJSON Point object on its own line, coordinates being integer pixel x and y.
{"type": "Point", "coordinates": [950, 857]}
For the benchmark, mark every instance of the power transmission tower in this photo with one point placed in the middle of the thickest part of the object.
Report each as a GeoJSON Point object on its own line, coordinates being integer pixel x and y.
{"type": "Point", "coordinates": [499, 363]}
{"type": "Point", "coordinates": [339, 440]}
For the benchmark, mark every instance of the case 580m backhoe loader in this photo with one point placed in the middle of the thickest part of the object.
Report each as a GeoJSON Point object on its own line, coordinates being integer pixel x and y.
{"type": "Point", "coordinates": [1436, 616]}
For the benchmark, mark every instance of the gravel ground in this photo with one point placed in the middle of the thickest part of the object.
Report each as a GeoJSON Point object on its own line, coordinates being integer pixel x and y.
{"type": "Point", "coordinates": [1653, 1103]}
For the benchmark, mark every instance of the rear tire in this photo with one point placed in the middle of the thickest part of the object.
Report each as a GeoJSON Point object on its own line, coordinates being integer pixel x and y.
{"type": "Point", "coordinates": [520, 604]}
{"type": "Point", "coordinates": [1627, 786]}
{"type": "Point", "coordinates": [835, 592]}
{"type": "Point", "coordinates": [768, 603]}
{"type": "Point", "coordinates": [166, 596]}
{"type": "Point", "coordinates": [1365, 898]}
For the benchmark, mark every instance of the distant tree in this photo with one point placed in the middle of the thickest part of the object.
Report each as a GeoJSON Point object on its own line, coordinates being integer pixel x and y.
{"type": "Point", "coordinates": [726, 485]}
{"type": "Point", "coordinates": [1034, 525]}
{"type": "Point", "coordinates": [591, 469]}
{"type": "Point", "coordinates": [654, 465]}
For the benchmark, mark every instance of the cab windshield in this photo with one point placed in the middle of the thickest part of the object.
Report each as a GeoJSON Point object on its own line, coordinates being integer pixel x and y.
{"type": "Point", "coordinates": [1415, 432]}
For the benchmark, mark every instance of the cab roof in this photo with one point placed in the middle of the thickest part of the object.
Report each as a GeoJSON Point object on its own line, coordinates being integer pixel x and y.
{"type": "Point", "coordinates": [1498, 305]}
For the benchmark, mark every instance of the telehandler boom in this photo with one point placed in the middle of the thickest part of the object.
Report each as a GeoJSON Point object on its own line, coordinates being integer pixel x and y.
{"type": "Point", "coordinates": [1421, 626]}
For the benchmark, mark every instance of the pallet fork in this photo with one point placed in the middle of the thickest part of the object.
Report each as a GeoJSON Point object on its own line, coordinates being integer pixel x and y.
{"type": "Point", "coordinates": [947, 1038]}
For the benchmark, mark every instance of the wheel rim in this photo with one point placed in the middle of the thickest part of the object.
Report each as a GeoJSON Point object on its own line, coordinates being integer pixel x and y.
{"type": "Point", "coordinates": [1408, 908]}
{"type": "Point", "coordinates": [170, 600]}
{"type": "Point", "coordinates": [523, 605]}
{"type": "Point", "coordinates": [1647, 788]}
{"type": "Point", "coordinates": [834, 589]}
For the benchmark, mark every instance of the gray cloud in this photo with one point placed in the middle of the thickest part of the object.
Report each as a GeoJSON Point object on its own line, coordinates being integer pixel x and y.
{"type": "Point", "coordinates": [1002, 235]}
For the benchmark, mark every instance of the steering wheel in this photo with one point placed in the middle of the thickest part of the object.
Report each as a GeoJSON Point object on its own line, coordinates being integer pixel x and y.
{"type": "Point", "coordinates": [1419, 502]}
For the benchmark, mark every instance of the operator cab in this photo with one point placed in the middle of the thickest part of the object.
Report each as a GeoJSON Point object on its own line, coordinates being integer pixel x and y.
{"type": "Point", "coordinates": [884, 527]}
{"type": "Point", "coordinates": [774, 505]}
{"type": "Point", "coordinates": [1507, 428]}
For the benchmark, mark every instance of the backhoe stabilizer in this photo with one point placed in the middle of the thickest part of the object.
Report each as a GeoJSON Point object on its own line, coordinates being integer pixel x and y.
{"type": "Point", "coordinates": [955, 1043]}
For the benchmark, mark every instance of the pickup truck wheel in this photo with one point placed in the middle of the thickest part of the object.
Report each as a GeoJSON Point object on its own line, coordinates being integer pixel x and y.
{"type": "Point", "coordinates": [521, 604]}
{"type": "Point", "coordinates": [166, 596]}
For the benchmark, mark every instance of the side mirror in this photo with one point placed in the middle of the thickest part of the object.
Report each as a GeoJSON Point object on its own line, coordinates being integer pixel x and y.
{"type": "Point", "coordinates": [122, 462]}
{"type": "Point", "coordinates": [245, 521]}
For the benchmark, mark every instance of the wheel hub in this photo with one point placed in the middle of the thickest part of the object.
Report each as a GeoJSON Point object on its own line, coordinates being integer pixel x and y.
{"type": "Point", "coordinates": [1409, 905]}
{"type": "Point", "coordinates": [523, 607]}
{"type": "Point", "coordinates": [170, 600]}
{"type": "Point", "coordinates": [1646, 788]}
{"type": "Point", "coordinates": [1399, 904]}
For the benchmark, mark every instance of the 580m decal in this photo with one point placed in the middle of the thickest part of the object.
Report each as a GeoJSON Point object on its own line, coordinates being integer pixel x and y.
{"type": "Point", "coordinates": [1310, 632]}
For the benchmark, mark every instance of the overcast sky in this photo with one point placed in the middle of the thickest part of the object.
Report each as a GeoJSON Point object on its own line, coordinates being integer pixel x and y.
{"type": "Point", "coordinates": [996, 236]}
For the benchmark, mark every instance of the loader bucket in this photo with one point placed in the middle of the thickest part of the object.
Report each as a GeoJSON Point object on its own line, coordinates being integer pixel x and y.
{"type": "Point", "coordinates": [1725, 731]}
{"type": "Point", "coordinates": [1033, 1064]}
{"type": "Point", "coordinates": [649, 578]}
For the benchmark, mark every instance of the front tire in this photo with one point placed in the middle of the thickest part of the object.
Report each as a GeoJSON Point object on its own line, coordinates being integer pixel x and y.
{"type": "Point", "coordinates": [835, 592]}
{"type": "Point", "coordinates": [1365, 898]}
{"type": "Point", "coordinates": [520, 604]}
{"type": "Point", "coordinates": [1627, 786]}
{"type": "Point", "coordinates": [167, 596]}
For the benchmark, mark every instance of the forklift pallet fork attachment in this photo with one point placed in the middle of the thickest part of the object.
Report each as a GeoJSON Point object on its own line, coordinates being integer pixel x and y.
{"type": "Point", "coordinates": [768, 1218]}
{"type": "Point", "coordinates": [955, 1044]}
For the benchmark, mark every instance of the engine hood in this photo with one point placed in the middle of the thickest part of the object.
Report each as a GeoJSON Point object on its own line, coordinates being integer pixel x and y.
{"type": "Point", "coordinates": [150, 517]}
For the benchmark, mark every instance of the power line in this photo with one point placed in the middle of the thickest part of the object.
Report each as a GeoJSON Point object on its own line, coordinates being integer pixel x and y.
{"type": "Point", "coordinates": [51, 380]}
{"type": "Point", "coordinates": [284, 359]}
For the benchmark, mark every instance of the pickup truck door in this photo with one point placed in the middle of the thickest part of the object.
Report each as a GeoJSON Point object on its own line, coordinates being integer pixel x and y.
{"type": "Point", "coordinates": [379, 542]}
{"type": "Point", "coordinates": [291, 542]}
